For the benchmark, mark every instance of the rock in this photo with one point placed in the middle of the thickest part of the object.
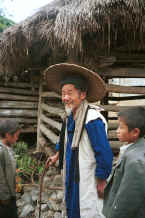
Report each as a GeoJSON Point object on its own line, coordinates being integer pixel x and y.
{"type": "Point", "coordinates": [27, 198]}
{"type": "Point", "coordinates": [57, 215]}
{"type": "Point", "coordinates": [53, 205]}
{"type": "Point", "coordinates": [59, 196]}
{"type": "Point", "coordinates": [28, 203]}
{"type": "Point", "coordinates": [27, 209]}
{"type": "Point", "coordinates": [44, 207]}
{"type": "Point", "coordinates": [35, 195]}
{"type": "Point", "coordinates": [57, 180]}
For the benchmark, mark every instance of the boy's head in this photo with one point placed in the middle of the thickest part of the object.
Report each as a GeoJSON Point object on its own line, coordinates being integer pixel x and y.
{"type": "Point", "coordinates": [9, 131]}
{"type": "Point", "coordinates": [131, 124]}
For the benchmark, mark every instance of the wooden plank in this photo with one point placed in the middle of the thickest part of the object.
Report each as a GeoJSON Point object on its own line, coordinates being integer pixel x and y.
{"type": "Point", "coordinates": [38, 114]}
{"type": "Point", "coordinates": [21, 120]}
{"type": "Point", "coordinates": [126, 98]}
{"type": "Point", "coordinates": [29, 129]}
{"type": "Point", "coordinates": [115, 144]}
{"type": "Point", "coordinates": [50, 122]}
{"type": "Point", "coordinates": [19, 85]}
{"type": "Point", "coordinates": [18, 104]}
{"type": "Point", "coordinates": [18, 113]}
{"type": "Point", "coordinates": [125, 89]}
{"type": "Point", "coordinates": [50, 94]}
{"type": "Point", "coordinates": [112, 125]}
{"type": "Point", "coordinates": [124, 73]}
{"type": "Point", "coordinates": [53, 110]}
{"type": "Point", "coordinates": [49, 134]}
{"type": "Point", "coordinates": [19, 91]}
{"type": "Point", "coordinates": [112, 134]}
{"type": "Point", "coordinates": [115, 108]}
{"type": "Point", "coordinates": [18, 97]}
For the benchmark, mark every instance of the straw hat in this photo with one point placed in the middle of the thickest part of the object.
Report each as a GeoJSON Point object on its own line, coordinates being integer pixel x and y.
{"type": "Point", "coordinates": [56, 73]}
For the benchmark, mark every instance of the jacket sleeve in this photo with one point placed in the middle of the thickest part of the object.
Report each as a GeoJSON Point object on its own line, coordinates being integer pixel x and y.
{"type": "Point", "coordinates": [7, 183]}
{"type": "Point", "coordinates": [101, 147]}
{"type": "Point", "coordinates": [10, 175]}
{"type": "Point", "coordinates": [129, 198]}
{"type": "Point", "coordinates": [57, 146]}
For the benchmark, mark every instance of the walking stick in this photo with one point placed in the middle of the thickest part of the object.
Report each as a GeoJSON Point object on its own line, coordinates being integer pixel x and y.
{"type": "Point", "coordinates": [41, 185]}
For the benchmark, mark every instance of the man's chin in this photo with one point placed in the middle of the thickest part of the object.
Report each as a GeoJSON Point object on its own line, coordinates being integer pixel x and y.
{"type": "Point", "coordinates": [68, 110]}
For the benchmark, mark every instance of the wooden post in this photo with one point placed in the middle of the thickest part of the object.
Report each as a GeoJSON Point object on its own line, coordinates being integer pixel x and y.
{"type": "Point", "coordinates": [104, 101]}
{"type": "Point", "coordinates": [39, 114]}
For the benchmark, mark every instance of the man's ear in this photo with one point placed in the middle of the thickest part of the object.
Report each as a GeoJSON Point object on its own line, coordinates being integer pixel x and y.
{"type": "Point", "coordinates": [83, 95]}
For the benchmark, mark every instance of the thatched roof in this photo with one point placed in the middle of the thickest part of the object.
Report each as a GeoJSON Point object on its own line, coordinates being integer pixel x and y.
{"type": "Point", "coordinates": [76, 31]}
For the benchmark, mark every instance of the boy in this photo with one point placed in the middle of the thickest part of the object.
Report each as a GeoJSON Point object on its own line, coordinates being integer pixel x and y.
{"type": "Point", "coordinates": [124, 195]}
{"type": "Point", "coordinates": [9, 133]}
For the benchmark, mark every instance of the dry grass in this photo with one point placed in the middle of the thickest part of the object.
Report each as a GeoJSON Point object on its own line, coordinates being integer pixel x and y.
{"type": "Point", "coordinates": [73, 29]}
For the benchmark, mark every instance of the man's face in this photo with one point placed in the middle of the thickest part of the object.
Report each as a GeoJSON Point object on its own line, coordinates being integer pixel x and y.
{"type": "Point", "coordinates": [72, 97]}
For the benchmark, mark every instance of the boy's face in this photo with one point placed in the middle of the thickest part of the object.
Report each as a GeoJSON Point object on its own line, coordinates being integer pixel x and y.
{"type": "Point", "coordinates": [124, 135]}
{"type": "Point", "coordinates": [11, 139]}
{"type": "Point", "coordinates": [72, 97]}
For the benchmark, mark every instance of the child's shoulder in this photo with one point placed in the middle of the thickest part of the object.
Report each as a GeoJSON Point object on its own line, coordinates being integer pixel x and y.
{"type": "Point", "coordinates": [135, 155]}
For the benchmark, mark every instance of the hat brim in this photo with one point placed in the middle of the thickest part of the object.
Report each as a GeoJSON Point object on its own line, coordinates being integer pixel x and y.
{"type": "Point", "coordinates": [56, 73]}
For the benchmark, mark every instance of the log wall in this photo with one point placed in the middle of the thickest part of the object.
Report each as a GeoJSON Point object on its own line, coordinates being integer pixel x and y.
{"type": "Point", "coordinates": [50, 113]}
{"type": "Point", "coordinates": [19, 101]}
{"type": "Point", "coordinates": [117, 98]}
{"type": "Point", "coordinates": [51, 109]}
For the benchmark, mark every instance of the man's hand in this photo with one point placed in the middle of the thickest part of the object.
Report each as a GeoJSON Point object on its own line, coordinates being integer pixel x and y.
{"type": "Point", "coordinates": [52, 160]}
{"type": "Point", "coordinates": [101, 183]}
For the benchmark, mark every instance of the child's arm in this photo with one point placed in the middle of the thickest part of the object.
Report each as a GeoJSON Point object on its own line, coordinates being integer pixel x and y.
{"type": "Point", "coordinates": [130, 196]}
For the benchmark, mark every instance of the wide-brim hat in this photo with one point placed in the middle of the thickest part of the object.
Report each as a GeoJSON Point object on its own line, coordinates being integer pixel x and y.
{"type": "Point", "coordinates": [56, 73]}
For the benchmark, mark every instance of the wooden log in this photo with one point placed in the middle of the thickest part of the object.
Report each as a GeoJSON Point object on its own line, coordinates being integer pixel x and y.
{"type": "Point", "coordinates": [126, 98]}
{"type": "Point", "coordinates": [18, 113]}
{"type": "Point", "coordinates": [125, 89]}
{"type": "Point", "coordinates": [19, 91]}
{"type": "Point", "coordinates": [21, 120]}
{"type": "Point", "coordinates": [112, 118]}
{"type": "Point", "coordinates": [18, 104]}
{"type": "Point", "coordinates": [29, 129]}
{"type": "Point", "coordinates": [112, 134]}
{"type": "Point", "coordinates": [124, 73]}
{"type": "Point", "coordinates": [18, 97]}
{"type": "Point", "coordinates": [115, 144]}
{"type": "Point", "coordinates": [112, 125]}
{"type": "Point", "coordinates": [49, 134]}
{"type": "Point", "coordinates": [38, 115]}
{"type": "Point", "coordinates": [52, 110]}
{"type": "Point", "coordinates": [19, 85]}
{"type": "Point", "coordinates": [115, 108]}
{"type": "Point", "coordinates": [50, 94]}
{"type": "Point", "coordinates": [50, 122]}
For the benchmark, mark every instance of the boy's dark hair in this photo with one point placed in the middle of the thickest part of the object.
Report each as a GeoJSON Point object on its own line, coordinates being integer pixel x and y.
{"type": "Point", "coordinates": [8, 126]}
{"type": "Point", "coordinates": [78, 81]}
{"type": "Point", "coordinates": [134, 117]}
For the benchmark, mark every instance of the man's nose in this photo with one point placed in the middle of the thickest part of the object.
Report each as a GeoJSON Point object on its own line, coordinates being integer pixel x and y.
{"type": "Point", "coordinates": [65, 97]}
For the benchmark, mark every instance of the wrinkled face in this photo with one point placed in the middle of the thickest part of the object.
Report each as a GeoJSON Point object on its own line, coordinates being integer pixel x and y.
{"type": "Point", "coordinates": [72, 97]}
{"type": "Point", "coordinates": [124, 135]}
{"type": "Point", "coordinates": [11, 139]}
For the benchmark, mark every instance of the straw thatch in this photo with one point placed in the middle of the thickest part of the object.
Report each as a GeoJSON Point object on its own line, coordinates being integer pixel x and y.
{"type": "Point", "coordinates": [74, 30]}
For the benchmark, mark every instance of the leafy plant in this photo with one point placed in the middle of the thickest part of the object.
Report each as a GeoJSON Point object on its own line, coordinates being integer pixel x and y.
{"type": "Point", "coordinates": [5, 23]}
{"type": "Point", "coordinates": [29, 168]}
